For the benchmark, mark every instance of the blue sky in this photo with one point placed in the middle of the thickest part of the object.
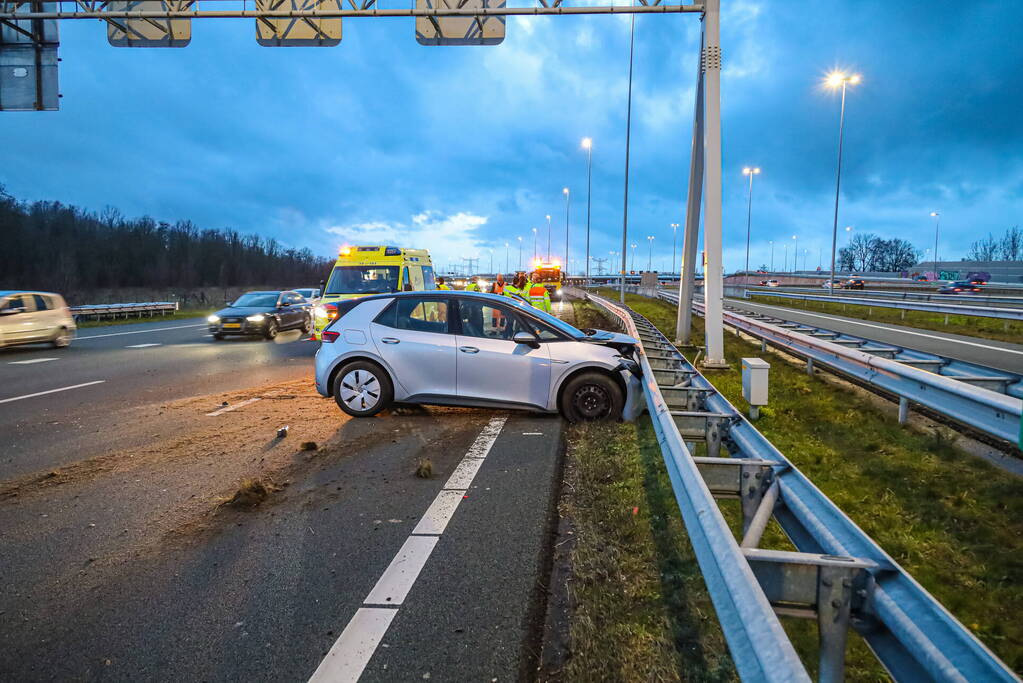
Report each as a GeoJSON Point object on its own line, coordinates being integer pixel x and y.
{"type": "Point", "coordinates": [462, 149]}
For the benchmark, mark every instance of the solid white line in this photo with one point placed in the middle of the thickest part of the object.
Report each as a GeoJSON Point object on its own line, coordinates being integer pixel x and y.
{"type": "Point", "coordinates": [929, 335]}
{"type": "Point", "coordinates": [141, 346]}
{"type": "Point", "coordinates": [155, 329]}
{"type": "Point", "coordinates": [30, 362]}
{"type": "Point", "coordinates": [439, 514]}
{"type": "Point", "coordinates": [355, 647]}
{"type": "Point", "coordinates": [532, 433]}
{"type": "Point", "coordinates": [228, 409]}
{"type": "Point", "coordinates": [357, 643]}
{"type": "Point", "coordinates": [52, 391]}
{"type": "Point", "coordinates": [396, 581]}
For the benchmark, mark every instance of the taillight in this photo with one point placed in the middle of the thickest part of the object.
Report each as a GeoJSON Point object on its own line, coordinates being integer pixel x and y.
{"type": "Point", "coordinates": [331, 310]}
{"type": "Point", "coordinates": [329, 336]}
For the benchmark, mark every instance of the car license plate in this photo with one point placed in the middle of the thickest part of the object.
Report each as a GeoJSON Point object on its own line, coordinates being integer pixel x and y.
{"type": "Point", "coordinates": [232, 326]}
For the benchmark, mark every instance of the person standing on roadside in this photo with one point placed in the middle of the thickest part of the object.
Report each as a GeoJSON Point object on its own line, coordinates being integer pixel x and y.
{"type": "Point", "coordinates": [498, 286]}
{"type": "Point", "coordinates": [441, 285]}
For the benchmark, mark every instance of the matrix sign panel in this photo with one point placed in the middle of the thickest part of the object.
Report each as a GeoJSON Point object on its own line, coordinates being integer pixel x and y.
{"type": "Point", "coordinates": [481, 30]}
{"type": "Point", "coordinates": [298, 31]}
{"type": "Point", "coordinates": [28, 62]}
{"type": "Point", "coordinates": [149, 32]}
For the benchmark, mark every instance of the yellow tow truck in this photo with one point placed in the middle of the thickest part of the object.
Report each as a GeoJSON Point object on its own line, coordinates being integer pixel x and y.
{"type": "Point", "coordinates": [361, 271]}
{"type": "Point", "coordinates": [548, 273]}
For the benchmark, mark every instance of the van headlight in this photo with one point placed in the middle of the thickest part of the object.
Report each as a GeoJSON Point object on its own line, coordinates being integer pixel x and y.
{"type": "Point", "coordinates": [213, 319]}
{"type": "Point", "coordinates": [320, 312]}
{"type": "Point", "coordinates": [258, 318]}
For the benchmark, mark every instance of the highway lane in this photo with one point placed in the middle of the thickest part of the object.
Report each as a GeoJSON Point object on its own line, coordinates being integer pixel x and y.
{"type": "Point", "coordinates": [995, 354]}
{"type": "Point", "coordinates": [264, 594]}
{"type": "Point", "coordinates": [61, 405]}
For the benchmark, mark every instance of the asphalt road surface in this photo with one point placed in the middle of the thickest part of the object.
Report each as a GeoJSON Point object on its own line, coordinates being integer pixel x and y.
{"type": "Point", "coordinates": [995, 354]}
{"type": "Point", "coordinates": [121, 557]}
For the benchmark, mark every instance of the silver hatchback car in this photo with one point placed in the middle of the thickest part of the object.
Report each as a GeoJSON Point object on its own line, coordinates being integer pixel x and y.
{"type": "Point", "coordinates": [472, 349]}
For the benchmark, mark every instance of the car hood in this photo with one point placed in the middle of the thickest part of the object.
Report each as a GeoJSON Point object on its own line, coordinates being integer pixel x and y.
{"type": "Point", "coordinates": [243, 311]}
{"type": "Point", "coordinates": [622, 342]}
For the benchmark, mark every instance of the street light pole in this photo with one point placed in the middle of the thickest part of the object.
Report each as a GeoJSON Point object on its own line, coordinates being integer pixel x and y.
{"type": "Point", "coordinates": [628, 140]}
{"type": "Point", "coordinates": [650, 257]}
{"type": "Point", "coordinates": [548, 237]}
{"type": "Point", "coordinates": [795, 254]}
{"type": "Point", "coordinates": [588, 146]}
{"type": "Point", "coordinates": [507, 256]}
{"type": "Point", "coordinates": [674, 242]}
{"type": "Point", "coordinates": [520, 252]}
{"type": "Point", "coordinates": [937, 220]}
{"type": "Point", "coordinates": [633, 245]}
{"type": "Point", "coordinates": [567, 203]}
{"type": "Point", "coordinates": [834, 80]}
{"type": "Point", "coordinates": [772, 255]}
{"type": "Point", "coordinates": [749, 212]}
{"type": "Point", "coordinates": [534, 244]}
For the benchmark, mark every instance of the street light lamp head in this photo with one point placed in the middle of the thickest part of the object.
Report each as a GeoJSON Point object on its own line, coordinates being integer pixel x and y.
{"type": "Point", "coordinates": [548, 216]}
{"type": "Point", "coordinates": [564, 190]}
{"type": "Point", "coordinates": [587, 143]}
{"type": "Point", "coordinates": [934, 213]}
{"type": "Point", "coordinates": [837, 78]}
{"type": "Point", "coordinates": [750, 171]}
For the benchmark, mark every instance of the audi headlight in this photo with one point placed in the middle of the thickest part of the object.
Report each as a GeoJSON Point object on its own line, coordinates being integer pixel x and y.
{"type": "Point", "coordinates": [213, 319]}
{"type": "Point", "coordinates": [258, 318]}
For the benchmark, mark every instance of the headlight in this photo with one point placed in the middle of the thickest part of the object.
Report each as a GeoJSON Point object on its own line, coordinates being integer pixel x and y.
{"type": "Point", "coordinates": [213, 319]}
{"type": "Point", "coordinates": [558, 292]}
{"type": "Point", "coordinates": [258, 318]}
{"type": "Point", "coordinates": [320, 312]}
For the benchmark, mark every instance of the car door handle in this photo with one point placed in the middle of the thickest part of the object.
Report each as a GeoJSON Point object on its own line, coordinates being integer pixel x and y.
{"type": "Point", "coordinates": [560, 362]}
{"type": "Point", "coordinates": [390, 340]}
{"type": "Point", "coordinates": [468, 349]}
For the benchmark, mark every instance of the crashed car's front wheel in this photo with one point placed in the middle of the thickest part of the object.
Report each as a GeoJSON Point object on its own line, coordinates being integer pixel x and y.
{"type": "Point", "coordinates": [591, 396]}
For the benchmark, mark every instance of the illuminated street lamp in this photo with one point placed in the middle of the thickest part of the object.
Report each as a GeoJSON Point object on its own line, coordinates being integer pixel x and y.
{"type": "Point", "coordinates": [534, 244]}
{"type": "Point", "coordinates": [795, 253]}
{"type": "Point", "coordinates": [771, 242]}
{"type": "Point", "coordinates": [834, 80]}
{"type": "Point", "coordinates": [749, 171]}
{"type": "Point", "coordinates": [650, 258]}
{"type": "Point", "coordinates": [588, 146]}
{"type": "Point", "coordinates": [519, 238]}
{"type": "Point", "coordinates": [937, 220]}
{"type": "Point", "coordinates": [632, 268]}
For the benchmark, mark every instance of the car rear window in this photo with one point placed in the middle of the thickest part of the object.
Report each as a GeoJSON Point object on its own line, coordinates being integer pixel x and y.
{"type": "Point", "coordinates": [418, 315]}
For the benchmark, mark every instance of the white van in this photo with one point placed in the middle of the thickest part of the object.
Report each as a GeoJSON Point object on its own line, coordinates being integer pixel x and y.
{"type": "Point", "coordinates": [33, 317]}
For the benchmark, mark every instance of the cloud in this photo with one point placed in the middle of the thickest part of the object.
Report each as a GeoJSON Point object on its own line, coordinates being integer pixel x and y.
{"type": "Point", "coordinates": [449, 237]}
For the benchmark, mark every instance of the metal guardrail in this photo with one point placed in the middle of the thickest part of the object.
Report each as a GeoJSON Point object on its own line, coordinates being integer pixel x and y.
{"type": "Point", "coordinates": [947, 309]}
{"type": "Point", "coordinates": [839, 575]}
{"type": "Point", "coordinates": [991, 412]}
{"type": "Point", "coordinates": [968, 299]}
{"type": "Point", "coordinates": [116, 310]}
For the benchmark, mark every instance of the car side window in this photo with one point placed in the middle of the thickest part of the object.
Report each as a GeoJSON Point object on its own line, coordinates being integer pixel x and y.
{"type": "Point", "coordinates": [41, 303]}
{"type": "Point", "coordinates": [406, 280]}
{"type": "Point", "coordinates": [489, 322]}
{"type": "Point", "coordinates": [417, 315]}
{"type": "Point", "coordinates": [15, 302]}
{"type": "Point", "coordinates": [295, 299]}
{"type": "Point", "coordinates": [541, 331]}
{"type": "Point", "coordinates": [428, 281]}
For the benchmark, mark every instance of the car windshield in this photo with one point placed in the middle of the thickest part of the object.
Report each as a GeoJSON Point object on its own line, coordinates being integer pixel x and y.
{"type": "Point", "coordinates": [549, 319]}
{"type": "Point", "coordinates": [256, 300]}
{"type": "Point", "coordinates": [309, 293]}
{"type": "Point", "coordinates": [363, 280]}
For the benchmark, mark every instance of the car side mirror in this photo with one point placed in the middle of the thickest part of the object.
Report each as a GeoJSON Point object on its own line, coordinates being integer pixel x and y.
{"type": "Point", "coordinates": [285, 303]}
{"type": "Point", "coordinates": [527, 339]}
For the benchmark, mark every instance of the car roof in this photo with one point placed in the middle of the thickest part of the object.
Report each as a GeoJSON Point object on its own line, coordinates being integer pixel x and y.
{"type": "Point", "coordinates": [5, 292]}
{"type": "Point", "coordinates": [267, 291]}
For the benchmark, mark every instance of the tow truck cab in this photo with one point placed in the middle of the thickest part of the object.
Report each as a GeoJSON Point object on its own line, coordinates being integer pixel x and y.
{"type": "Point", "coordinates": [361, 271]}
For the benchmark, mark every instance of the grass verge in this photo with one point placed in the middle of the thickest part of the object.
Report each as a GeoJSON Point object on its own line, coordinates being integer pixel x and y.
{"type": "Point", "coordinates": [950, 519]}
{"type": "Point", "coordinates": [987, 328]}
{"type": "Point", "coordinates": [641, 611]}
{"type": "Point", "coordinates": [170, 317]}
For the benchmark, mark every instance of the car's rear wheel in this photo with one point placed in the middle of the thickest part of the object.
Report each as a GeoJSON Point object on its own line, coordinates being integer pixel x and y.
{"type": "Point", "coordinates": [363, 389]}
{"type": "Point", "coordinates": [591, 396]}
{"type": "Point", "coordinates": [62, 339]}
{"type": "Point", "coordinates": [270, 331]}
{"type": "Point", "coordinates": [307, 326]}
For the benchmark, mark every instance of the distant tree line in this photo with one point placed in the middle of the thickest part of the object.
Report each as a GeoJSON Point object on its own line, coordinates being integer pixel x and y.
{"type": "Point", "coordinates": [1008, 247]}
{"type": "Point", "coordinates": [870, 253]}
{"type": "Point", "coordinates": [50, 245]}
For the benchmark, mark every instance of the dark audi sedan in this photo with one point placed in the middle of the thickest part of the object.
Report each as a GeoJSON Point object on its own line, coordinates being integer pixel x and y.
{"type": "Point", "coordinates": [262, 313]}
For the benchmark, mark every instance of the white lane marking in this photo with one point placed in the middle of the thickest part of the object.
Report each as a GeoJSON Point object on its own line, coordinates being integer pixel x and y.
{"type": "Point", "coordinates": [532, 433]}
{"type": "Point", "coordinates": [52, 391]}
{"type": "Point", "coordinates": [357, 643]}
{"type": "Point", "coordinates": [889, 329]}
{"type": "Point", "coordinates": [396, 581]}
{"type": "Point", "coordinates": [30, 362]}
{"type": "Point", "coordinates": [141, 346]}
{"type": "Point", "coordinates": [228, 409]}
{"type": "Point", "coordinates": [355, 646]}
{"type": "Point", "coordinates": [155, 329]}
{"type": "Point", "coordinates": [439, 514]}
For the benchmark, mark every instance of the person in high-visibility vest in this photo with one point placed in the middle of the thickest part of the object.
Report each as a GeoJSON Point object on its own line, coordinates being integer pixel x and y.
{"type": "Point", "coordinates": [441, 285]}
{"type": "Point", "coordinates": [474, 284]}
{"type": "Point", "coordinates": [498, 286]}
{"type": "Point", "coordinates": [539, 296]}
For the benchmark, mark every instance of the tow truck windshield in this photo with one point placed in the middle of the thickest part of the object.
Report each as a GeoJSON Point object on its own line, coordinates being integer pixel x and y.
{"type": "Point", "coordinates": [548, 275]}
{"type": "Point", "coordinates": [363, 280]}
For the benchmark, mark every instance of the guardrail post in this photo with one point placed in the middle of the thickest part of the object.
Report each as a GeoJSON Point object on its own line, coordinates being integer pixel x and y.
{"type": "Point", "coordinates": [834, 603]}
{"type": "Point", "coordinates": [903, 410]}
{"type": "Point", "coordinates": [809, 366]}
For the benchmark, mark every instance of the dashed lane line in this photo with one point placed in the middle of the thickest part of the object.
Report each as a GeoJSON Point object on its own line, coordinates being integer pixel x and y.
{"type": "Point", "coordinates": [52, 391]}
{"type": "Point", "coordinates": [236, 406]}
{"type": "Point", "coordinates": [141, 346]}
{"type": "Point", "coordinates": [353, 649]}
{"type": "Point", "coordinates": [30, 362]}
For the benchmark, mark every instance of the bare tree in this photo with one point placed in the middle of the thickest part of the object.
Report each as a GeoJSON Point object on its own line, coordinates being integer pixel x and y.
{"type": "Point", "coordinates": [984, 250]}
{"type": "Point", "coordinates": [1010, 248]}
